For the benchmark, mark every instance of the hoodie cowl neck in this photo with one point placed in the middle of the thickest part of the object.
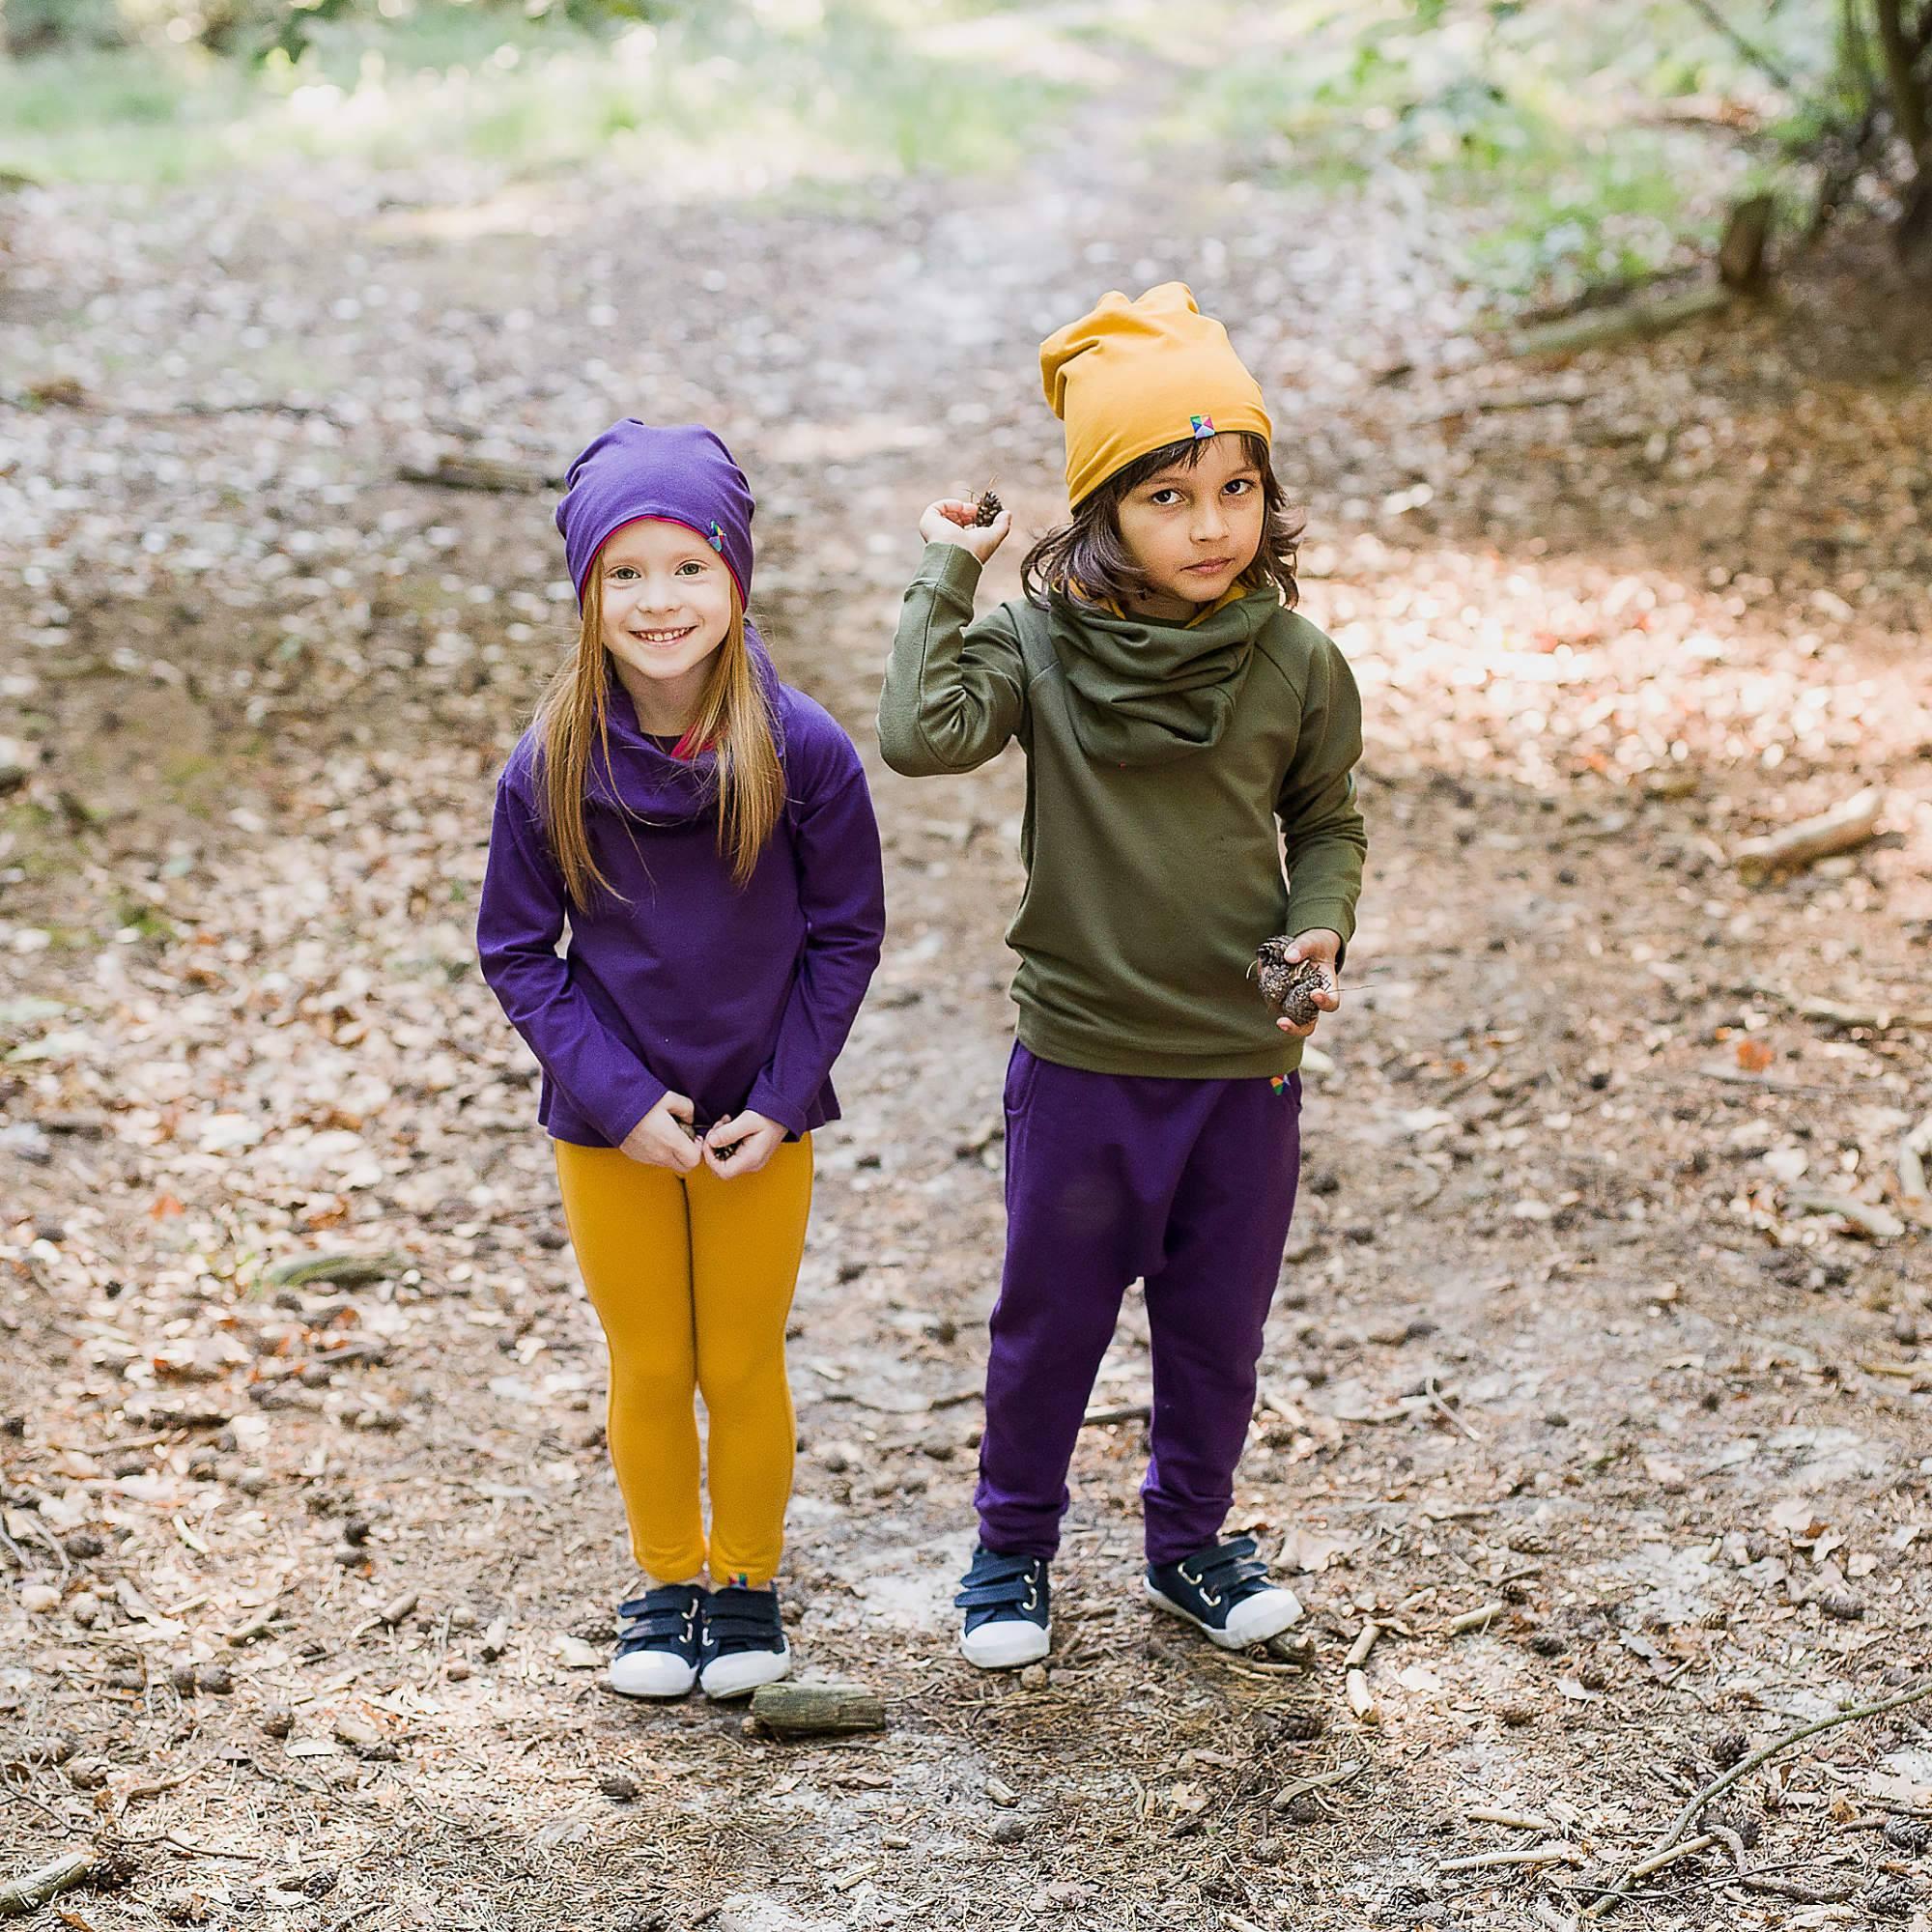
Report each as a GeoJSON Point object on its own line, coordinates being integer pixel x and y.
{"type": "Point", "coordinates": [652, 783]}
{"type": "Point", "coordinates": [1147, 693]}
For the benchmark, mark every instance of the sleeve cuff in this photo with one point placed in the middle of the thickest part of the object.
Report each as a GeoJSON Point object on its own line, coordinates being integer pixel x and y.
{"type": "Point", "coordinates": [1335, 916]}
{"type": "Point", "coordinates": [766, 1099]}
{"type": "Point", "coordinates": [951, 563]}
{"type": "Point", "coordinates": [622, 1116]}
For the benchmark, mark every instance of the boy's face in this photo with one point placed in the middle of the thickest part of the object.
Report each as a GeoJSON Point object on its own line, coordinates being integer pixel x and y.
{"type": "Point", "coordinates": [666, 599]}
{"type": "Point", "coordinates": [1194, 531]}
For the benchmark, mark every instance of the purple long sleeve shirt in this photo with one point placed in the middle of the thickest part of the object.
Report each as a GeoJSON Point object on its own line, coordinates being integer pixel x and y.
{"type": "Point", "coordinates": [738, 997]}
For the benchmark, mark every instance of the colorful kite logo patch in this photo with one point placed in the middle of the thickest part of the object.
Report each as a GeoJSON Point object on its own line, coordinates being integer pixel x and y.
{"type": "Point", "coordinates": [718, 538]}
{"type": "Point", "coordinates": [1203, 426]}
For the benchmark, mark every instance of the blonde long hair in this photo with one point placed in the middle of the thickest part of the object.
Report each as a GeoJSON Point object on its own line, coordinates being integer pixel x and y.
{"type": "Point", "coordinates": [733, 721]}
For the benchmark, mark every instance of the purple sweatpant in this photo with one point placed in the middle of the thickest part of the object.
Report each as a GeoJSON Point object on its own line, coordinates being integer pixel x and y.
{"type": "Point", "coordinates": [1187, 1185]}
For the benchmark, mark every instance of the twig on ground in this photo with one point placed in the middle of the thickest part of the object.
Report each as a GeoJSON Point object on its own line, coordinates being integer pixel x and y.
{"type": "Point", "coordinates": [1454, 1420]}
{"type": "Point", "coordinates": [1556, 1854]}
{"type": "Point", "coordinates": [1365, 1641]}
{"type": "Point", "coordinates": [1480, 1618]}
{"type": "Point", "coordinates": [1361, 1699]}
{"type": "Point", "coordinates": [33, 1889]}
{"type": "Point", "coordinates": [1742, 1769]}
{"type": "Point", "coordinates": [153, 1787]}
{"type": "Point", "coordinates": [1915, 1197]}
{"type": "Point", "coordinates": [1849, 824]}
{"type": "Point", "coordinates": [1657, 1861]}
{"type": "Point", "coordinates": [1516, 1821]}
{"type": "Point", "coordinates": [1300, 1787]}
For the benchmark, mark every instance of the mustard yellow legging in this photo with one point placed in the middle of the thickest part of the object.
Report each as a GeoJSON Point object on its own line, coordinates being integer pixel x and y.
{"type": "Point", "coordinates": [691, 1277]}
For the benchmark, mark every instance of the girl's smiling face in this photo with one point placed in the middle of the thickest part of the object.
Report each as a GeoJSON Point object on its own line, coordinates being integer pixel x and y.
{"type": "Point", "coordinates": [1194, 531]}
{"type": "Point", "coordinates": [666, 603]}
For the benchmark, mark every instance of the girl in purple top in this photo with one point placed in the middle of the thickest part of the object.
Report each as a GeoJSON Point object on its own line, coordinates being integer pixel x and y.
{"type": "Point", "coordinates": [705, 835]}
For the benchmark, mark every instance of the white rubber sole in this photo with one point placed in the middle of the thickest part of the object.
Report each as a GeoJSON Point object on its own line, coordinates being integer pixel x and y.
{"type": "Point", "coordinates": [743, 1671]}
{"type": "Point", "coordinates": [1006, 1645]}
{"type": "Point", "coordinates": [651, 1673]}
{"type": "Point", "coordinates": [1266, 1614]}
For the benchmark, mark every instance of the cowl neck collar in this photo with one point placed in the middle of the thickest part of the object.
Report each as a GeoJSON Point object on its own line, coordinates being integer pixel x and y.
{"type": "Point", "coordinates": [646, 778]}
{"type": "Point", "coordinates": [1147, 693]}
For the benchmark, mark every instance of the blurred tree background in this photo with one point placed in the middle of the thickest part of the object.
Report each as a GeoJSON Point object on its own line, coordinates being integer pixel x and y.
{"type": "Point", "coordinates": [1603, 142]}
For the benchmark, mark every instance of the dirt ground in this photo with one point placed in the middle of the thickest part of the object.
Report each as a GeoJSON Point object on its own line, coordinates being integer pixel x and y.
{"type": "Point", "coordinates": [306, 1575]}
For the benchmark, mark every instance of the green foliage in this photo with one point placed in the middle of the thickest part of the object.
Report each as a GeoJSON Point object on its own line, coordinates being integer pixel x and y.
{"type": "Point", "coordinates": [755, 93]}
{"type": "Point", "coordinates": [1541, 131]}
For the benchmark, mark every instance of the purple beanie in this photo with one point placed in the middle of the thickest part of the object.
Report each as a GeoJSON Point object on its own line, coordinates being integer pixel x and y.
{"type": "Point", "coordinates": [684, 474]}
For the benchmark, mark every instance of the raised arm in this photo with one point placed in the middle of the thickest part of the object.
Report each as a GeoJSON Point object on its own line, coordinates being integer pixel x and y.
{"type": "Point", "coordinates": [956, 690]}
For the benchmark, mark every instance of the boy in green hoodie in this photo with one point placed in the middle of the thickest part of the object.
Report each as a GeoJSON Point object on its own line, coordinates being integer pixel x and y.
{"type": "Point", "coordinates": [1183, 729]}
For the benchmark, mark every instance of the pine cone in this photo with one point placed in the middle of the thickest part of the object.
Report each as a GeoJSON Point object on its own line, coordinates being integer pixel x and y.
{"type": "Point", "coordinates": [988, 507]}
{"type": "Point", "coordinates": [1289, 986]}
{"type": "Point", "coordinates": [1297, 1724]}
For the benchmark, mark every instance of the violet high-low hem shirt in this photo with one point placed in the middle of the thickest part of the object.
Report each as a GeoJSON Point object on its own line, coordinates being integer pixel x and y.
{"type": "Point", "coordinates": [739, 998]}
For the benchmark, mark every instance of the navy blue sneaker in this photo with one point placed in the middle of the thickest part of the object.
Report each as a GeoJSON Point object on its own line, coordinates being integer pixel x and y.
{"type": "Point", "coordinates": [658, 1636]}
{"type": "Point", "coordinates": [1007, 1606]}
{"type": "Point", "coordinates": [1224, 1591]}
{"type": "Point", "coordinates": [744, 1641]}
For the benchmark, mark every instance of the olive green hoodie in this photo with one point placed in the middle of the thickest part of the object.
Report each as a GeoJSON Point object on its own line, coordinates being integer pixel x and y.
{"type": "Point", "coordinates": [1160, 757]}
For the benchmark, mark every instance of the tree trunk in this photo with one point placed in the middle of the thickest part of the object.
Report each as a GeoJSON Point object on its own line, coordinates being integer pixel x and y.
{"type": "Point", "coordinates": [1900, 45]}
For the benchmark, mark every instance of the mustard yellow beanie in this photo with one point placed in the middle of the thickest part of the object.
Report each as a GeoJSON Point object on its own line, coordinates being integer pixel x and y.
{"type": "Point", "coordinates": [1133, 375]}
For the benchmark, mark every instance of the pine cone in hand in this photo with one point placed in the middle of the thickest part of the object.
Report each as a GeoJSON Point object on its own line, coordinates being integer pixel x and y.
{"type": "Point", "coordinates": [987, 508]}
{"type": "Point", "coordinates": [1289, 986]}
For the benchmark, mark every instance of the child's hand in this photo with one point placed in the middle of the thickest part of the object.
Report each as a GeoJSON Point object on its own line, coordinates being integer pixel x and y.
{"type": "Point", "coordinates": [1320, 944]}
{"type": "Point", "coordinates": [950, 521]}
{"type": "Point", "coordinates": [741, 1144]}
{"type": "Point", "coordinates": [664, 1137]}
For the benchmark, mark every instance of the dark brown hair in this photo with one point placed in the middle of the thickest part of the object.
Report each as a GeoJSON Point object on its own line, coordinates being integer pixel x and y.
{"type": "Point", "coordinates": [1089, 559]}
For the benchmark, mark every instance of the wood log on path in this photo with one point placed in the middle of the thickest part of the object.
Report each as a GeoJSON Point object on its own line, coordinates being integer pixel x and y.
{"type": "Point", "coordinates": [33, 1889]}
{"type": "Point", "coordinates": [817, 1710]}
{"type": "Point", "coordinates": [1846, 826]}
{"type": "Point", "coordinates": [1623, 325]}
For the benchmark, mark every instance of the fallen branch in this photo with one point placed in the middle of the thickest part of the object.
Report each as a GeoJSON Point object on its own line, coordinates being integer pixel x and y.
{"type": "Point", "coordinates": [344, 1270]}
{"type": "Point", "coordinates": [32, 1889]}
{"type": "Point", "coordinates": [1516, 1821]}
{"type": "Point", "coordinates": [479, 472]}
{"type": "Point", "coordinates": [1880, 1224]}
{"type": "Point", "coordinates": [1845, 826]}
{"type": "Point", "coordinates": [1657, 1861]}
{"type": "Point", "coordinates": [1742, 1769]}
{"type": "Point", "coordinates": [1365, 1641]}
{"type": "Point", "coordinates": [1914, 1198]}
{"type": "Point", "coordinates": [1127, 1411]}
{"type": "Point", "coordinates": [1361, 1699]}
{"type": "Point", "coordinates": [1497, 402]}
{"type": "Point", "coordinates": [1477, 1619]}
{"type": "Point", "coordinates": [1795, 1889]}
{"type": "Point", "coordinates": [817, 1710]}
{"type": "Point", "coordinates": [1454, 1420]}
{"type": "Point", "coordinates": [1624, 325]}
{"type": "Point", "coordinates": [1877, 1019]}
{"type": "Point", "coordinates": [1300, 1787]}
